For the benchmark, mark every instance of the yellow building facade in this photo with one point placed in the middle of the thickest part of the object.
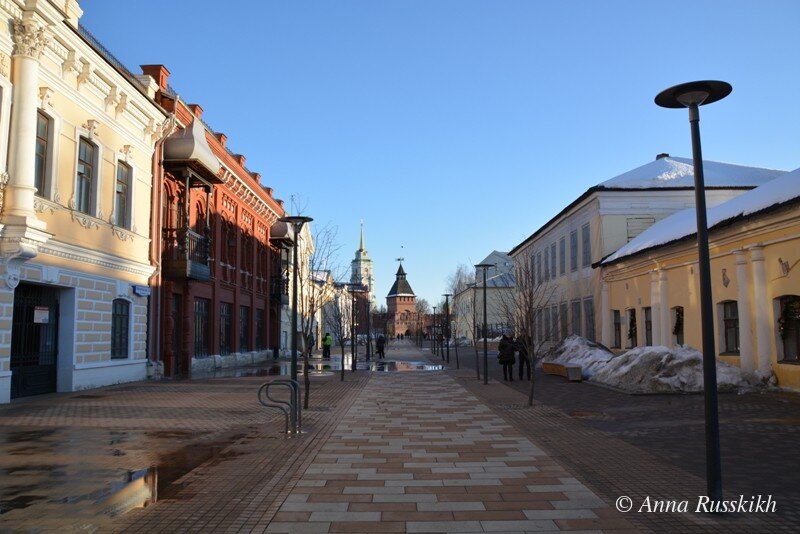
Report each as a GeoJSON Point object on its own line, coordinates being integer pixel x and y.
{"type": "Point", "coordinates": [650, 287]}
{"type": "Point", "coordinates": [79, 132]}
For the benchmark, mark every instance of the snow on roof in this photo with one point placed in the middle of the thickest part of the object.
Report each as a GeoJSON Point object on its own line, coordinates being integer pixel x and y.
{"type": "Point", "coordinates": [679, 172]}
{"type": "Point", "coordinates": [684, 223]}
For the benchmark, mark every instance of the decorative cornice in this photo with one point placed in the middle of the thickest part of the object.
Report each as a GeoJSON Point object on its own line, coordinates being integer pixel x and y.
{"type": "Point", "coordinates": [45, 94]}
{"type": "Point", "coordinates": [88, 256]}
{"type": "Point", "coordinates": [40, 205]}
{"type": "Point", "coordinates": [30, 37]}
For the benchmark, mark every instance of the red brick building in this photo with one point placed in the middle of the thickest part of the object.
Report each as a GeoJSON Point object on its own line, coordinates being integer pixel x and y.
{"type": "Point", "coordinates": [402, 317]}
{"type": "Point", "coordinates": [220, 283]}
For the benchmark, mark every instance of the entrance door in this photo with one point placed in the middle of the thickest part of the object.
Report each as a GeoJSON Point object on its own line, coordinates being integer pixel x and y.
{"type": "Point", "coordinates": [34, 340]}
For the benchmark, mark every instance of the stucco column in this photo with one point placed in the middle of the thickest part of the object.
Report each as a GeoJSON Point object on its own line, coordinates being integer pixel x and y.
{"type": "Point", "coordinates": [763, 316]}
{"type": "Point", "coordinates": [30, 39]}
{"type": "Point", "coordinates": [666, 327]}
{"type": "Point", "coordinates": [655, 308]}
{"type": "Point", "coordinates": [746, 360]}
{"type": "Point", "coordinates": [605, 313]}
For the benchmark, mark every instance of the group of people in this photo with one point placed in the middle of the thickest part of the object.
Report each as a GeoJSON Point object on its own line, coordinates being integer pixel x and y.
{"type": "Point", "coordinates": [327, 343]}
{"type": "Point", "coordinates": [507, 348]}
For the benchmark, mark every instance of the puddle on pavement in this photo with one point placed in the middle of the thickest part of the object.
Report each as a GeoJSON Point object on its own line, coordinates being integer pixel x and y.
{"type": "Point", "coordinates": [319, 367]}
{"type": "Point", "coordinates": [97, 491]}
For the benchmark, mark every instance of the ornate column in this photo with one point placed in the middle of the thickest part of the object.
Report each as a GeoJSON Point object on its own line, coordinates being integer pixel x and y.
{"type": "Point", "coordinates": [763, 315]}
{"type": "Point", "coordinates": [655, 308]}
{"type": "Point", "coordinates": [22, 231]}
{"type": "Point", "coordinates": [605, 311]}
{"type": "Point", "coordinates": [666, 326]}
{"type": "Point", "coordinates": [746, 360]}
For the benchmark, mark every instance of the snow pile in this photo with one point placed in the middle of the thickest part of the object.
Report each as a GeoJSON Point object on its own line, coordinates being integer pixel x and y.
{"type": "Point", "coordinates": [649, 369]}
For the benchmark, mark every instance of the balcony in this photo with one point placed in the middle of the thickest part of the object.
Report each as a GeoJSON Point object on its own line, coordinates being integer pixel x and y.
{"type": "Point", "coordinates": [186, 254]}
{"type": "Point", "coordinates": [279, 293]}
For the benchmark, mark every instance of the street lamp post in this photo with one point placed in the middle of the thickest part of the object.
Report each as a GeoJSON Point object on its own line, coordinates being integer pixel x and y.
{"type": "Point", "coordinates": [297, 222]}
{"type": "Point", "coordinates": [485, 267]}
{"type": "Point", "coordinates": [433, 332]}
{"type": "Point", "coordinates": [354, 290]}
{"type": "Point", "coordinates": [447, 323]}
{"type": "Point", "coordinates": [692, 95]}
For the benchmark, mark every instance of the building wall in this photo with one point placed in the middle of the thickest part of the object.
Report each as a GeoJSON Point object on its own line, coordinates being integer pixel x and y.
{"type": "Point", "coordinates": [753, 262]}
{"type": "Point", "coordinates": [88, 257]}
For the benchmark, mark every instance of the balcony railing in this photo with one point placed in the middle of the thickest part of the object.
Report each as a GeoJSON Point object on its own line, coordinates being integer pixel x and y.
{"type": "Point", "coordinates": [279, 292]}
{"type": "Point", "coordinates": [186, 254]}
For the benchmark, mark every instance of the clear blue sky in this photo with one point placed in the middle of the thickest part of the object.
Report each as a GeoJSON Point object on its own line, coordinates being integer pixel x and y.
{"type": "Point", "coordinates": [457, 127]}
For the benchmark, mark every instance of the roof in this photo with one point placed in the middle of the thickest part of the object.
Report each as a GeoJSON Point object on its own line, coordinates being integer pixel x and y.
{"type": "Point", "coordinates": [683, 224]}
{"type": "Point", "coordinates": [671, 172]}
{"type": "Point", "coordinates": [668, 173]}
{"type": "Point", "coordinates": [401, 285]}
{"type": "Point", "coordinates": [189, 145]}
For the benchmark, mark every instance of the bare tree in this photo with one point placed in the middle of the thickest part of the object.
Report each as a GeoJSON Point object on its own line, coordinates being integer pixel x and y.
{"type": "Point", "coordinates": [530, 308]}
{"type": "Point", "coordinates": [320, 271]}
{"type": "Point", "coordinates": [338, 317]}
{"type": "Point", "coordinates": [422, 309]}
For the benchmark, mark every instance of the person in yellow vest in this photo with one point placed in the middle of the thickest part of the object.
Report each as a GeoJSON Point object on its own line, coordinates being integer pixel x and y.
{"type": "Point", "coordinates": [327, 341]}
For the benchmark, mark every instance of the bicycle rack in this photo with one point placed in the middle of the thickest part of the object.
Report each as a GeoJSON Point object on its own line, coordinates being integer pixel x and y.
{"type": "Point", "coordinates": [291, 409]}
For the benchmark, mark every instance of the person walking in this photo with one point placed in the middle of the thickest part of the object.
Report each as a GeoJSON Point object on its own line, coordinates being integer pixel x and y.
{"type": "Point", "coordinates": [506, 357]}
{"type": "Point", "coordinates": [327, 342]}
{"type": "Point", "coordinates": [380, 343]}
{"type": "Point", "coordinates": [524, 360]}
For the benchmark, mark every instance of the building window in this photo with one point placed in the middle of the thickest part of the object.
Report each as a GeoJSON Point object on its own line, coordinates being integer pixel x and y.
{"type": "Point", "coordinates": [588, 319]}
{"type": "Point", "coordinates": [617, 321]}
{"type": "Point", "coordinates": [562, 258]}
{"type": "Point", "coordinates": [632, 334]}
{"type": "Point", "coordinates": [42, 139]}
{"type": "Point", "coordinates": [547, 263]}
{"type": "Point", "coordinates": [586, 246]}
{"type": "Point", "coordinates": [244, 329]}
{"type": "Point", "coordinates": [201, 326]}
{"type": "Point", "coordinates": [562, 313]}
{"type": "Point", "coordinates": [730, 318]}
{"type": "Point", "coordinates": [648, 327]}
{"type": "Point", "coordinates": [576, 317]}
{"type": "Point", "coordinates": [122, 195]}
{"type": "Point", "coordinates": [120, 328]}
{"type": "Point", "coordinates": [677, 324]}
{"type": "Point", "coordinates": [573, 250]}
{"type": "Point", "coordinates": [789, 328]}
{"type": "Point", "coordinates": [85, 177]}
{"type": "Point", "coordinates": [539, 268]}
{"type": "Point", "coordinates": [548, 334]}
{"type": "Point", "coordinates": [553, 260]}
{"type": "Point", "coordinates": [539, 325]}
{"type": "Point", "coordinates": [225, 328]}
{"type": "Point", "coordinates": [260, 329]}
{"type": "Point", "coordinates": [554, 322]}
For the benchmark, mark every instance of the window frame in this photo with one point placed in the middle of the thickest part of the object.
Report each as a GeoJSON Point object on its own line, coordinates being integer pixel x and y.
{"type": "Point", "coordinates": [202, 324]}
{"type": "Point", "coordinates": [120, 329]}
{"type": "Point", "coordinates": [573, 251]}
{"type": "Point", "coordinates": [647, 313]}
{"type": "Point", "coordinates": [225, 328]}
{"type": "Point", "coordinates": [127, 216]}
{"type": "Point", "coordinates": [586, 245]}
{"type": "Point", "coordinates": [616, 321]}
{"type": "Point", "coordinates": [730, 326]}
{"type": "Point", "coordinates": [575, 312]}
{"type": "Point", "coordinates": [562, 259]}
{"type": "Point", "coordinates": [93, 181]}
{"type": "Point", "coordinates": [589, 331]}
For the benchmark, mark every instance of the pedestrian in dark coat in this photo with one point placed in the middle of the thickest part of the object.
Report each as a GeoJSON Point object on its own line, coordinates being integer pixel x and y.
{"type": "Point", "coordinates": [524, 360]}
{"type": "Point", "coordinates": [506, 357]}
{"type": "Point", "coordinates": [379, 345]}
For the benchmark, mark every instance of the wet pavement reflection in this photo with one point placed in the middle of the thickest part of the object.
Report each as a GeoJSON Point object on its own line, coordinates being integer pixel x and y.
{"type": "Point", "coordinates": [318, 366]}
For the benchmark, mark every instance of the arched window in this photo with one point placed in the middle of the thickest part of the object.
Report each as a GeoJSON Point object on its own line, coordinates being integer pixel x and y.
{"type": "Point", "coordinates": [120, 328]}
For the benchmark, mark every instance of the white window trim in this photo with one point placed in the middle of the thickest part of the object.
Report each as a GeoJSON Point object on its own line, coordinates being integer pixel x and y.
{"type": "Point", "coordinates": [51, 162]}
{"type": "Point", "coordinates": [122, 157]}
{"type": "Point", "coordinates": [95, 209]}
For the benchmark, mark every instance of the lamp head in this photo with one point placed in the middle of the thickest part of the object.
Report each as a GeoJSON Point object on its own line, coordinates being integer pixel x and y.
{"type": "Point", "coordinates": [693, 93]}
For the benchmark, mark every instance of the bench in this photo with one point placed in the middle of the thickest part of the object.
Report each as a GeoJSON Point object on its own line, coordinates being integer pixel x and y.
{"type": "Point", "coordinates": [573, 373]}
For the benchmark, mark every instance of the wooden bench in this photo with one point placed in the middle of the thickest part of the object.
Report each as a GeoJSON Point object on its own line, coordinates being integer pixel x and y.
{"type": "Point", "coordinates": [573, 373]}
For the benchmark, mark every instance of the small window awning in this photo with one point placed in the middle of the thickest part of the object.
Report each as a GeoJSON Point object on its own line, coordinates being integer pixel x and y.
{"type": "Point", "coordinates": [187, 151]}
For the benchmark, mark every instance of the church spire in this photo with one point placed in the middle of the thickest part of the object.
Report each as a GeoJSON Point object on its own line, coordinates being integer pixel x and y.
{"type": "Point", "coordinates": [363, 246]}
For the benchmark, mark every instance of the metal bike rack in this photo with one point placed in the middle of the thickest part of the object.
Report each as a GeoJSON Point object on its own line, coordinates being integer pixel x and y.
{"type": "Point", "coordinates": [291, 409]}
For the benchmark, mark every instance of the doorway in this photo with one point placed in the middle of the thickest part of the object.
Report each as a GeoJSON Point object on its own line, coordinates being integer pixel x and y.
{"type": "Point", "coordinates": [34, 340]}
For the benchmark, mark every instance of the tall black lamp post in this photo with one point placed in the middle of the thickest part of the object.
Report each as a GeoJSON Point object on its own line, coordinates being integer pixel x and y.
{"type": "Point", "coordinates": [354, 291]}
{"type": "Point", "coordinates": [447, 323]}
{"type": "Point", "coordinates": [485, 267]}
{"type": "Point", "coordinates": [433, 332]}
{"type": "Point", "coordinates": [297, 222]}
{"type": "Point", "coordinates": [692, 95]}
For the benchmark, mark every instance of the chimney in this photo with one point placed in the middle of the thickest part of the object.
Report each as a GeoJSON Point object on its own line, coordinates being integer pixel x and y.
{"type": "Point", "coordinates": [149, 84]}
{"type": "Point", "coordinates": [222, 138]}
{"type": "Point", "coordinates": [196, 110]}
{"type": "Point", "coordinates": [256, 176]}
{"type": "Point", "coordinates": [240, 159]}
{"type": "Point", "coordinates": [267, 189]}
{"type": "Point", "coordinates": [662, 155]}
{"type": "Point", "coordinates": [159, 73]}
